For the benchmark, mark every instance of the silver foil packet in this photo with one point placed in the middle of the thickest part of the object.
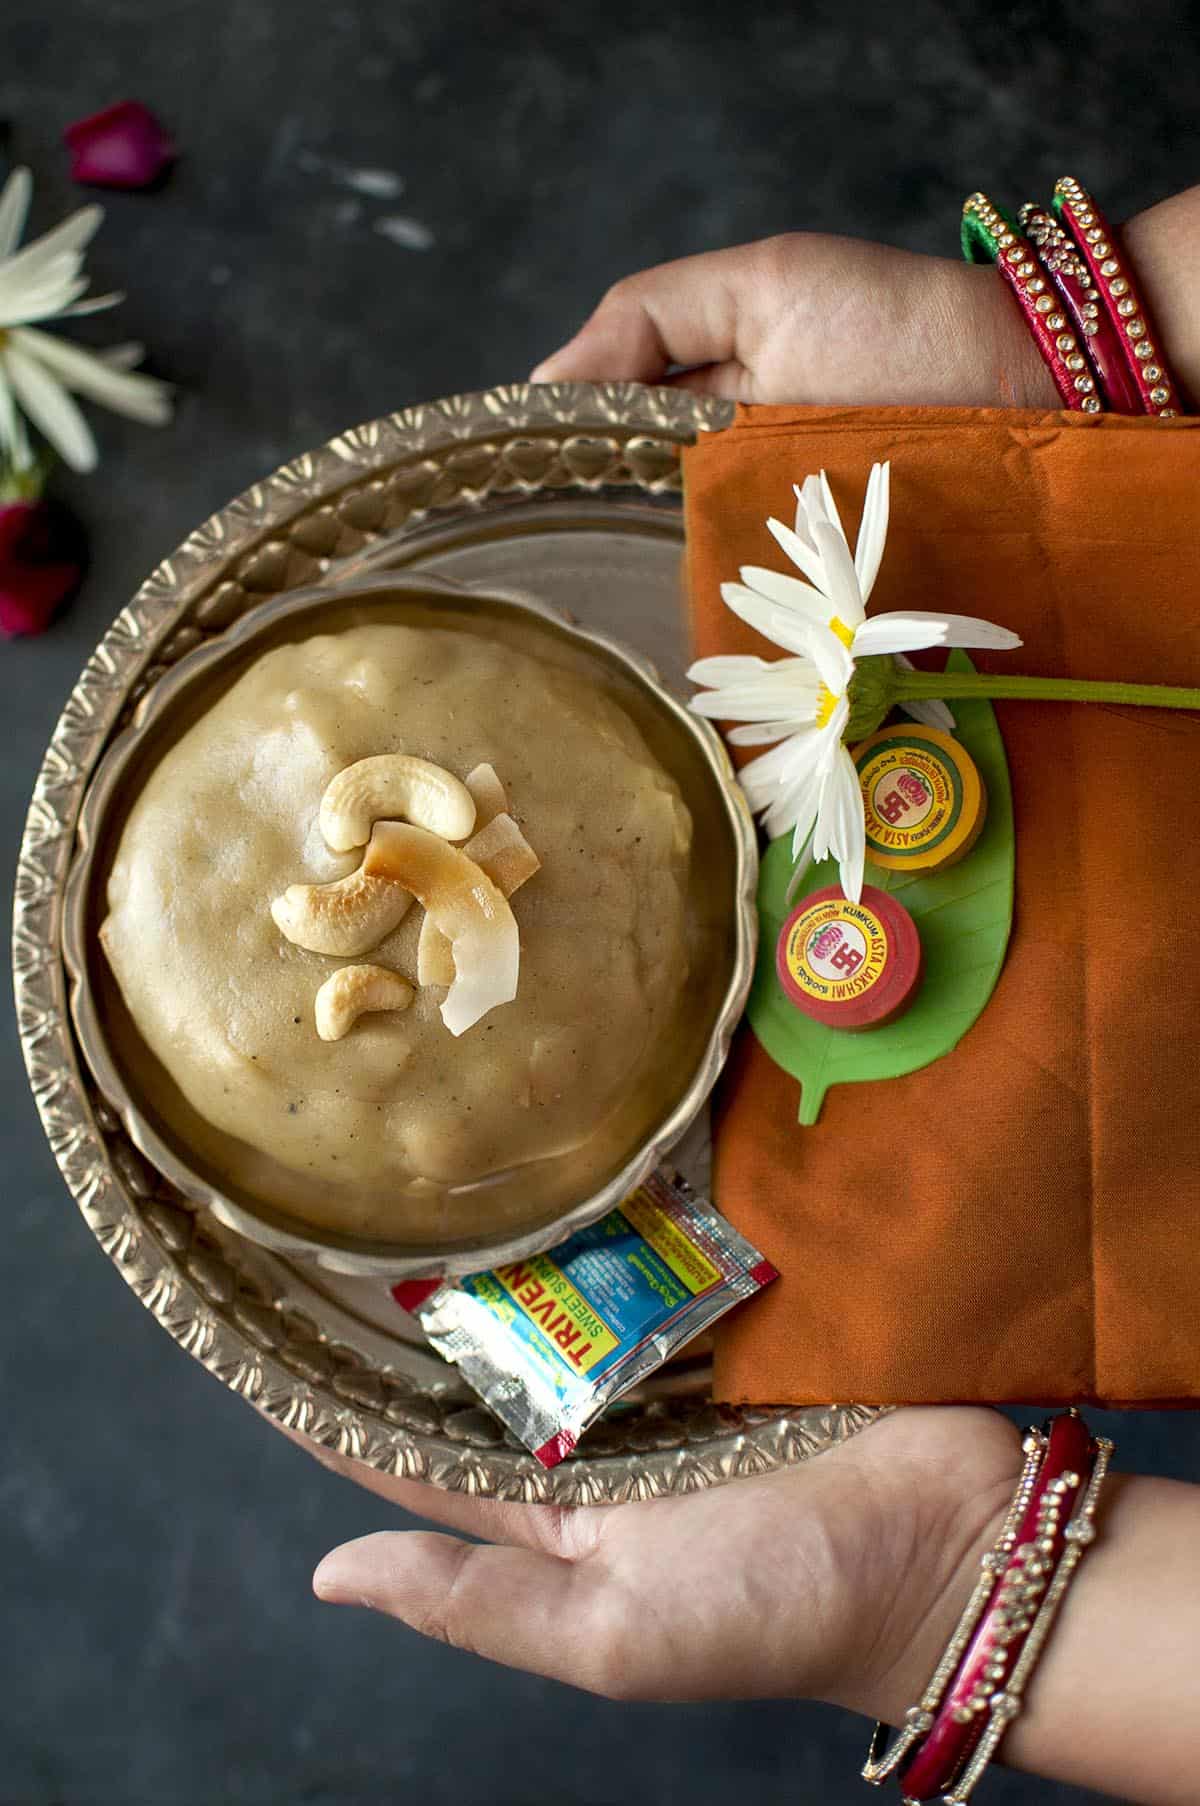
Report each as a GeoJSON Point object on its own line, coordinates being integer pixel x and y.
{"type": "Point", "coordinates": [549, 1342]}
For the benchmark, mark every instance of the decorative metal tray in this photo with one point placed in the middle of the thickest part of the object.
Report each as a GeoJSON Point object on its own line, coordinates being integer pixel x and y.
{"type": "Point", "coordinates": [569, 493]}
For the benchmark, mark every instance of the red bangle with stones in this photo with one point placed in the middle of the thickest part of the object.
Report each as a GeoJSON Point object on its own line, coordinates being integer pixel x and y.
{"type": "Point", "coordinates": [1113, 279]}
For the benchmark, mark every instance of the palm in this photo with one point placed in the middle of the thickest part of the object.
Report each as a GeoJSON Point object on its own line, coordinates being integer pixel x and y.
{"type": "Point", "coordinates": [837, 1579]}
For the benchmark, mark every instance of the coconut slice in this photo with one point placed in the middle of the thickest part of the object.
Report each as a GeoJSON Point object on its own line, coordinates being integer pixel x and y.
{"type": "Point", "coordinates": [491, 798]}
{"type": "Point", "coordinates": [345, 918]}
{"type": "Point", "coordinates": [503, 852]}
{"type": "Point", "coordinates": [468, 908]}
{"type": "Point", "coordinates": [394, 786]}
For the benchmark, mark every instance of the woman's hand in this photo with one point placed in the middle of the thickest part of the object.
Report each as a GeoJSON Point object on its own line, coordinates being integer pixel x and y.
{"type": "Point", "coordinates": [809, 318]}
{"type": "Point", "coordinates": [838, 1579]}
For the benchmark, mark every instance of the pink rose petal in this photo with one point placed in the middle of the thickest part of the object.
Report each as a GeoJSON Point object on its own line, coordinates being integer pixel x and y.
{"type": "Point", "coordinates": [41, 563]}
{"type": "Point", "coordinates": [123, 147]}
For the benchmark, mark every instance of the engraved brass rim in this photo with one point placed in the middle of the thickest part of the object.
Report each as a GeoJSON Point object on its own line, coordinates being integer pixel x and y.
{"type": "Point", "coordinates": [219, 1298]}
{"type": "Point", "coordinates": [340, 1253]}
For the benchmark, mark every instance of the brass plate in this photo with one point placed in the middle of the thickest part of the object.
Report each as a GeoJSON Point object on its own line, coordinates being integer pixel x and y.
{"type": "Point", "coordinates": [567, 492]}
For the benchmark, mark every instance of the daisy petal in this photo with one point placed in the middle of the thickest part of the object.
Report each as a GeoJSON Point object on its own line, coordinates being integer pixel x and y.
{"type": "Point", "coordinates": [898, 633]}
{"type": "Point", "coordinates": [831, 658]}
{"type": "Point", "coordinates": [14, 209]}
{"type": "Point", "coordinates": [873, 531]}
{"type": "Point", "coordinates": [841, 579]}
{"type": "Point", "coordinates": [931, 712]}
{"type": "Point", "coordinates": [14, 440]}
{"type": "Point", "coordinates": [969, 630]}
{"type": "Point", "coordinates": [67, 239]}
{"type": "Point", "coordinates": [845, 797]}
{"type": "Point", "coordinates": [41, 303]}
{"type": "Point", "coordinates": [785, 591]}
{"type": "Point", "coordinates": [831, 507]}
{"type": "Point", "coordinates": [801, 555]}
{"type": "Point", "coordinates": [136, 396]}
{"type": "Point", "coordinates": [761, 733]}
{"type": "Point", "coordinates": [126, 356]}
{"type": "Point", "coordinates": [723, 669]}
{"type": "Point", "coordinates": [97, 305]}
{"type": "Point", "coordinates": [50, 408]}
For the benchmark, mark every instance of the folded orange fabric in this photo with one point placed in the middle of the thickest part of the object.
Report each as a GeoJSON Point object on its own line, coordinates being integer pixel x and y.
{"type": "Point", "coordinates": [1021, 1220]}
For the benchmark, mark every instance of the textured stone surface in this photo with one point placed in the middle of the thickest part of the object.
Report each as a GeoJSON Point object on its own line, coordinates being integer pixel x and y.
{"type": "Point", "coordinates": [161, 1644]}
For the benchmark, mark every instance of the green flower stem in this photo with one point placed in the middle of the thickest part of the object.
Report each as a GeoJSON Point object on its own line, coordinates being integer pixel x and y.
{"type": "Point", "coordinates": [949, 686]}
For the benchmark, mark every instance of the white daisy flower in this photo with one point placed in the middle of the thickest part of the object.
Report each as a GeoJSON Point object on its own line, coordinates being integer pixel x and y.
{"type": "Point", "coordinates": [39, 372]}
{"type": "Point", "coordinates": [807, 782]}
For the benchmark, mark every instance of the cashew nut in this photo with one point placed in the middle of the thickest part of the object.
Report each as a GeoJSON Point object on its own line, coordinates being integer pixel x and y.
{"type": "Point", "coordinates": [465, 905]}
{"type": "Point", "coordinates": [389, 787]}
{"type": "Point", "coordinates": [345, 918]}
{"type": "Point", "coordinates": [353, 990]}
{"type": "Point", "coordinates": [503, 852]}
{"type": "Point", "coordinates": [491, 798]}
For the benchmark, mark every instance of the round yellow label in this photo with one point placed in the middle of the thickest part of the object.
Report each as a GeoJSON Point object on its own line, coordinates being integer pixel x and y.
{"type": "Point", "coordinates": [923, 803]}
{"type": "Point", "coordinates": [837, 950]}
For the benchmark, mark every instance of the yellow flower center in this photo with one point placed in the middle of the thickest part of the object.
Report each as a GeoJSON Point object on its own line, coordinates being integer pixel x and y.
{"type": "Point", "coordinates": [826, 703]}
{"type": "Point", "coordinates": [845, 634]}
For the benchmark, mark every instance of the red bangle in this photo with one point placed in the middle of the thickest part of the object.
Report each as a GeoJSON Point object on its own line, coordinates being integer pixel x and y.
{"type": "Point", "coordinates": [978, 1687]}
{"type": "Point", "coordinates": [1017, 261]}
{"type": "Point", "coordinates": [1113, 279]}
{"type": "Point", "coordinates": [1069, 274]}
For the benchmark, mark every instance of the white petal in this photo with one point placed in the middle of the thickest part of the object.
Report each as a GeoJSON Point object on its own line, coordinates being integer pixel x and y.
{"type": "Point", "coordinates": [723, 669]}
{"type": "Point", "coordinates": [50, 408]}
{"type": "Point", "coordinates": [969, 630]}
{"type": "Point", "coordinates": [784, 627]}
{"type": "Point", "coordinates": [97, 305]}
{"type": "Point", "coordinates": [845, 798]}
{"type": "Point", "coordinates": [39, 300]}
{"type": "Point", "coordinates": [138, 397]}
{"type": "Point", "coordinates": [803, 866]}
{"type": "Point", "coordinates": [831, 507]}
{"type": "Point", "coordinates": [126, 356]}
{"type": "Point", "coordinates": [831, 658]}
{"type": "Point", "coordinates": [898, 633]}
{"type": "Point", "coordinates": [930, 712]}
{"type": "Point", "coordinates": [754, 704]}
{"type": "Point", "coordinates": [835, 727]}
{"type": "Point", "coordinates": [841, 580]}
{"type": "Point", "coordinates": [761, 733]}
{"type": "Point", "coordinates": [803, 493]}
{"type": "Point", "coordinates": [873, 532]}
{"type": "Point", "coordinates": [66, 241]}
{"type": "Point", "coordinates": [801, 555]}
{"type": "Point", "coordinates": [14, 440]}
{"type": "Point", "coordinates": [14, 209]}
{"type": "Point", "coordinates": [761, 778]}
{"type": "Point", "coordinates": [786, 592]}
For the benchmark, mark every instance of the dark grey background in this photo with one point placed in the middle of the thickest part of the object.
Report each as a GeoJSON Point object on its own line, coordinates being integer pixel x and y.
{"type": "Point", "coordinates": [160, 1643]}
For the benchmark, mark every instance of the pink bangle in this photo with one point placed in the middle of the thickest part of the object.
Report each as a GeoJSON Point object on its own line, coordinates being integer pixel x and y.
{"type": "Point", "coordinates": [1112, 277]}
{"type": "Point", "coordinates": [1070, 276]}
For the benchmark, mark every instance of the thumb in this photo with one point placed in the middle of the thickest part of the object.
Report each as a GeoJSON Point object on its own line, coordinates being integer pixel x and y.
{"type": "Point", "coordinates": [681, 315]}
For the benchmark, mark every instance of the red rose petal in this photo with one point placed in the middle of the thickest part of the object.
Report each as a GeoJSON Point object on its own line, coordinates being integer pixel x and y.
{"type": "Point", "coordinates": [41, 563]}
{"type": "Point", "coordinates": [124, 146]}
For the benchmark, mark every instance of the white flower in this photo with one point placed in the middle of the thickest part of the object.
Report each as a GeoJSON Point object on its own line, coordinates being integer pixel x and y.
{"type": "Point", "coordinates": [38, 371]}
{"type": "Point", "coordinates": [807, 782]}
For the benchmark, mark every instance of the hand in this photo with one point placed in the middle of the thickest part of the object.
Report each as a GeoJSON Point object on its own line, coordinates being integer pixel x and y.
{"type": "Point", "coordinates": [809, 318]}
{"type": "Point", "coordinates": [839, 1579]}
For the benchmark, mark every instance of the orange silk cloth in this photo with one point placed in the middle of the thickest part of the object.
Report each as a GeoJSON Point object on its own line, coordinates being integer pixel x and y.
{"type": "Point", "coordinates": [1021, 1220]}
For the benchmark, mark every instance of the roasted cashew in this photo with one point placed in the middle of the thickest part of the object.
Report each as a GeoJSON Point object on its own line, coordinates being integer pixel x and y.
{"type": "Point", "coordinates": [503, 852]}
{"type": "Point", "coordinates": [353, 990]}
{"type": "Point", "coordinates": [391, 787]}
{"type": "Point", "coordinates": [345, 918]}
{"type": "Point", "coordinates": [465, 905]}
